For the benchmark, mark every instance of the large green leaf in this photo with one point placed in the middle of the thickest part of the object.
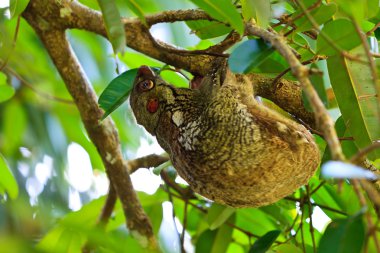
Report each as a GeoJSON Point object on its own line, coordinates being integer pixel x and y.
{"type": "Point", "coordinates": [214, 241]}
{"type": "Point", "coordinates": [218, 214]}
{"type": "Point", "coordinates": [343, 236]}
{"type": "Point", "coordinates": [342, 34]}
{"type": "Point", "coordinates": [359, 9]}
{"type": "Point", "coordinates": [114, 26]}
{"type": "Point", "coordinates": [8, 183]}
{"type": "Point", "coordinates": [14, 124]}
{"type": "Point", "coordinates": [262, 244]}
{"type": "Point", "coordinates": [224, 11]}
{"type": "Point", "coordinates": [320, 16]}
{"type": "Point", "coordinates": [355, 93]}
{"type": "Point", "coordinates": [16, 7]}
{"type": "Point", "coordinates": [205, 29]}
{"type": "Point", "coordinates": [258, 9]}
{"type": "Point", "coordinates": [136, 8]}
{"type": "Point", "coordinates": [117, 92]}
{"type": "Point", "coordinates": [248, 55]}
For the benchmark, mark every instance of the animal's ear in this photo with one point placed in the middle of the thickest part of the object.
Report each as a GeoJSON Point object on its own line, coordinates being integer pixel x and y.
{"type": "Point", "coordinates": [145, 72]}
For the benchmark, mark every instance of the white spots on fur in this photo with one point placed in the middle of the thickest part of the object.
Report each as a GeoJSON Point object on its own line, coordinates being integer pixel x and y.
{"type": "Point", "coordinates": [188, 135]}
{"type": "Point", "coordinates": [282, 127]}
{"type": "Point", "coordinates": [177, 118]}
{"type": "Point", "coordinates": [242, 110]}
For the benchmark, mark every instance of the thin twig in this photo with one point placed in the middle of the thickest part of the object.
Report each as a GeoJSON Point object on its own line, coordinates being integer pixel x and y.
{"type": "Point", "coordinates": [311, 218]}
{"type": "Point", "coordinates": [184, 224]}
{"type": "Point", "coordinates": [322, 117]}
{"type": "Point", "coordinates": [357, 158]}
{"type": "Point", "coordinates": [363, 203]}
{"type": "Point", "coordinates": [373, 29]}
{"type": "Point", "coordinates": [37, 91]}
{"type": "Point", "coordinates": [312, 60]}
{"type": "Point", "coordinates": [174, 217]}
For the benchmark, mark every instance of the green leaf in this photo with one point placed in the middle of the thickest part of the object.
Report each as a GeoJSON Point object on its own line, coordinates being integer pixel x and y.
{"type": "Point", "coordinates": [117, 92]}
{"type": "Point", "coordinates": [214, 241]}
{"type": "Point", "coordinates": [359, 9]}
{"type": "Point", "coordinates": [262, 244]}
{"type": "Point", "coordinates": [318, 85]}
{"type": "Point", "coordinates": [6, 92]}
{"type": "Point", "coordinates": [354, 91]}
{"type": "Point", "coordinates": [342, 33]}
{"type": "Point", "coordinates": [114, 26]}
{"type": "Point", "coordinates": [137, 9]}
{"type": "Point", "coordinates": [320, 15]}
{"type": "Point", "coordinates": [222, 10]}
{"type": "Point", "coordinates": [343, 236]}
{"type": "Point", "coordinates": [7, 181]}
{"type": "Point", "coordinates": [205, 29]}
{"type": "Point", "coordinates": [288, 248]}
{"type": "Point", "coordinates": [16, 7]}
{"type": "Point", "coordinates": [218, 214]}
{"type": "Point", "coordinates": [258, 9]}
{"type": "Point", "coordinates": [13, 126]}
{"type": "Point", "coordinates": [248, 55]}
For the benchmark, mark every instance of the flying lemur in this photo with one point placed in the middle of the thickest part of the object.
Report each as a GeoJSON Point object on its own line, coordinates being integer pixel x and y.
{"type": "Point", "coordinates": [227, 146]}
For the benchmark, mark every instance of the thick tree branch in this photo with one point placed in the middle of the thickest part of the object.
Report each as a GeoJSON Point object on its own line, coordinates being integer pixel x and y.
{"type": "Point", "coordinates": [71, 14]}
{"type": "Point", "coordinates": [103, 135]}
{"type": "Point", "coordinates": [301, 72]}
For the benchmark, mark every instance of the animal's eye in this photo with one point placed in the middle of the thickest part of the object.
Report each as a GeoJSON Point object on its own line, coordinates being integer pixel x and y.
{"type": "Point", "coordinates": [146, 85]}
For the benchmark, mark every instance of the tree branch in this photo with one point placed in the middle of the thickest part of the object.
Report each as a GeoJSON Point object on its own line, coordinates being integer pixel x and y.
{"type": "Point", "coordinates": [103, 135]}
{"type": "Point", "coordinates": [138, 37]}
{"type": "Point", "coordinates": [301, 72]}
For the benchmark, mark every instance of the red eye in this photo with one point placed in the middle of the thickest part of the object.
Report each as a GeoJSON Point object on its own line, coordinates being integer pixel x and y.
{"type": "Point", "coordinates": [146, 85]}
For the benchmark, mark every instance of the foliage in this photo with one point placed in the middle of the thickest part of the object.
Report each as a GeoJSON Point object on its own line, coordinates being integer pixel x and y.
{"type": "Point", "coordinates": [49, 204]}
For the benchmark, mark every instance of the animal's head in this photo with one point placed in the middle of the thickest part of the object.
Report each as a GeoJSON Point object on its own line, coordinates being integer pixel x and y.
{"type": "Point", "coordinates": [150, 95]}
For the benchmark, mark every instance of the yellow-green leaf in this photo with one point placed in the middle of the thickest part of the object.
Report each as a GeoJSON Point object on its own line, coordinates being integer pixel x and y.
{"type": "Point", "coordinates": [224, 11]}
{"type": "Point", "coordinates": [114, 26]}
{"type": "Point", "coordinates": [8, 183]}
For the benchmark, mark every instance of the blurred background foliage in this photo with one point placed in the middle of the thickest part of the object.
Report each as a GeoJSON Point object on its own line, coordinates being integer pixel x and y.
{"type": "Point", "coordinates": [52, 180]}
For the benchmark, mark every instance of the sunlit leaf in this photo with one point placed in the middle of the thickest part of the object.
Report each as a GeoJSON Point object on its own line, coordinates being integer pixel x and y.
{"type": "Point", "coordinates": [114, 26]}
{"type": "Point", "coordinates": [136, 8]}
{"type": "Point", "coordinates": [288, 248]}
{"type": "Point", "coordinates": [262, 244]}
{"type": "Point", "coordinates": [205, 29]}
{"type": "Point", "coordinates": [343, 236]}
{"type": "Point", "coordinates": [355, 93]}
{"type": "Point", "coordinates": [218, 214]}
{"type": "Point", "coordinates": [342, 34]}
{"type": "Point", "coordinates": [258, 9]}
{"type": "Point", "coordinates": [248, 55]}
{"type": "Point", "coordinates": [358, 9]}
{"type": "Point", "coordinates": [320, 16]}
{"type": "Point", "coordinates": [16, 7]}
{"type": "Point", "coordinates": [117, 92]}
{"type": "Point", "coordinates": [224, 11]}
{"type": "Point", "coordinates": [8, 183]}
{"type": "Point", "coordinates": [6, 92]}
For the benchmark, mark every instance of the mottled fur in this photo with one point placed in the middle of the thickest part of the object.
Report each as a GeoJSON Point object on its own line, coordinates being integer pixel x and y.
{"type": "Point", "coordinates": [225, 144]}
